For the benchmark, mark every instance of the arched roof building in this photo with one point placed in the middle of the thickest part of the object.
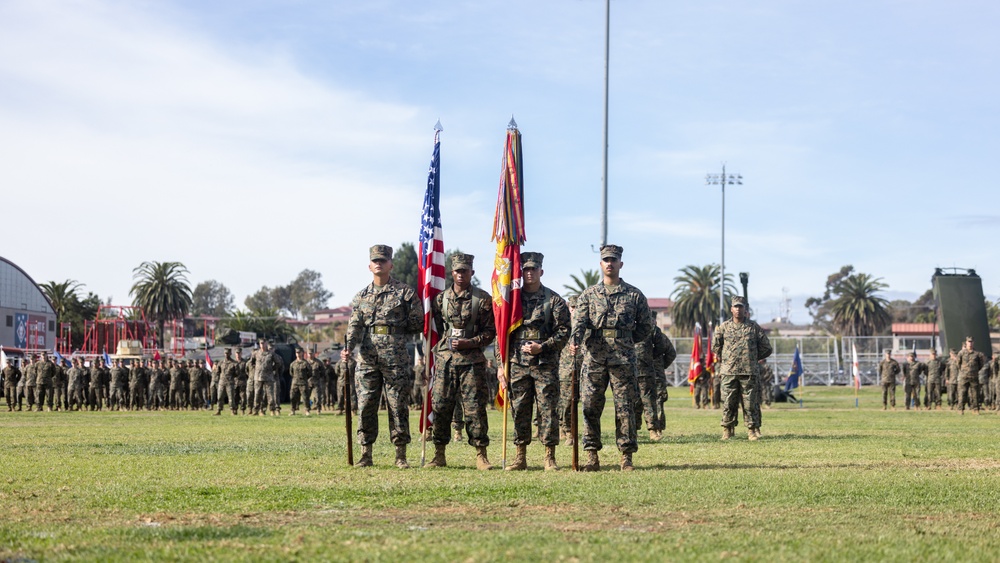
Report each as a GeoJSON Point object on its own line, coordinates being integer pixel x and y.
{"type": "Point", "coordinates": [27, 319]}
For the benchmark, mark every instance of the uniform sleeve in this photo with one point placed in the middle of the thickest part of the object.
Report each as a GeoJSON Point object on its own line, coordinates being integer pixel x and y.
{"type": "Point", "coordinates": [643, 320]}
{"type": "Point", "coordinates": [415, 308]}
{"type": "Point", "coordinates": [718, 341]}
{"type": "Point", "coordinates": [764, 347]}
{"type": "Point", "coordinates": [355, 326]}
{"type": "Point", "coordinates": [669, 353]}
{"type": "Point", "coordinates": [436, 307]}
{"type": "Point", "coordinates": [560, 325]}
{"type": "Point", "coordinates": [581, 319]}
{"type": "Point", "coordinates": [487, 329]}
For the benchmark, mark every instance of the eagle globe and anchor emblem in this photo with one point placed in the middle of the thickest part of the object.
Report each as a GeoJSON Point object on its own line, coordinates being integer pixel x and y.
{"type": "Point", "coordinates": [22, 329]}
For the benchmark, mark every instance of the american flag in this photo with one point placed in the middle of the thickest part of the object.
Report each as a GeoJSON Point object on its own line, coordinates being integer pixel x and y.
{"type": "Point", "coordinates": [431, 275]}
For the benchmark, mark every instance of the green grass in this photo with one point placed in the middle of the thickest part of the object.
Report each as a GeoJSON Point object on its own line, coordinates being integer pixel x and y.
{"type": "Point", "coordinates": [826, 482]}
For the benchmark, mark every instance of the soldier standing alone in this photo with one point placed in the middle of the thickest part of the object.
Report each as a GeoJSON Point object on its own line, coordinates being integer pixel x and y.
{"type": "Point", "coordinates": [611, 316]}
{"type": "Point", "coordinates": [11, 377]}
{"type": "Point", "coordinates": [935, 374]}
{"type": "Point", "coordinates": [740, 344]}
{"type": "Point", "coordinates": [888, 369]}
{"type": "Point", "coordinates": [969, 363]}
{"type": "Point", "coordinates": [384, 315]}
{"type": "Point", "coordinates": [911, 378]}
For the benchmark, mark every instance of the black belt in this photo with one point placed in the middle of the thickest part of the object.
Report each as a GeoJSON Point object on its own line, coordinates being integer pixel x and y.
{"type": "Point", "coordinates": [383, 329]}
{"type": "Point", "coordinates": [613, 333]}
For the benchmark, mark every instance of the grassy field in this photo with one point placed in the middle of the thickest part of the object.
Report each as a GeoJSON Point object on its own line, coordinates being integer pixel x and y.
{"type": "Point", "coordinates": [826, 482]}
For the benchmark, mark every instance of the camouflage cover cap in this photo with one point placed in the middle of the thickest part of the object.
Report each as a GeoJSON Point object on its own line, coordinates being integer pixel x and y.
{"type": "Point", "coordinates": [461, 261]}
{"type": "Point", "coordinates": [531, 259]}
{"type": "Point", "coordinates": [739, 300]}
{"type": "Point", "coordinates": [380, 252]}
{"type": "Point", "coordinates": [572, 300]}
{"type": "Point", "coordinates": [611, 251]}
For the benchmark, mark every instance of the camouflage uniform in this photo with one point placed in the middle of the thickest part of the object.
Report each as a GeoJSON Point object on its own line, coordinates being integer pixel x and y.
{"type": "Point", "coordinates": [534, 380]}
{"type": "Point", "coordinates": [11, 377]}
{"type": "Point", "coordinates": [969, 364]}
{"type": "Point", "coordinates": [45, 375]}
{"type": "Point", "coordinates": [995, 380]}
{"type": "Point", "coordinates": [985, 391]}
{"type": "Point", "coordinates": [59, 383]}
{"type": "Point", "coordinates": [226, 386]}
{"type": "Point", "coordinates": [300, 371]}
{"type": "Point", "coordinates": [177, 376]}
{"type": "Point", "coordinates": [738, 347]}
{"type": "Point", "coordinates": [346, 370]}
{"type": "Point", "coordinates": [196, 395]}
{"type": "Point", "coordinates": [952, 373]}
{"type": "Point", "coordinates": [99, 376]}
{"type": "Point", "coordinates": [266, 367]}
{"type": "Point", "coordinates": [610, 319]}
{"type": "Point", "coordinates": [888, 369]}
{"type": "Point", "coordinates": [317, 386]}
{"type": "Point", "coordinates": [382, 321]}
{"type": "Point", "coordinates": [702, 385]}
{"type": "Point", "coordinates": [243, 389]}
{"type": "Point", "coordinates": [653, 355]}
{"type": "Point", "coordinates": [119, 387]}
{"type": "Point", "coordinates": [766, 384]}
{"type": "Point", "coordinates": [460, 378]}
{"type": "Point", "coordinates": [137, 385]}
{"type": "Point", "coordinates": [30, 379]}
{"type": "Point", "coordinates": [74, 384]}
{"type": "Point", "coordinates": [912, 371]}
{"type": "Point", "coordinates": [936, 368]}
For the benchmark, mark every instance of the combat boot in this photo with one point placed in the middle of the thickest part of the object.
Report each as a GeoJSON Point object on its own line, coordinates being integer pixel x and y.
{"type": "Point", "coordinates": [627, 462]}
{"type": "Point", "coordinates": [457, 436]}
{"type": "Point", "coordinates": [593, 461]}
{"type": "Point", "coordinates": [482, 462]}
{"type": "Point", "coordinates": [752, 434]}
{"type": "Point", "coordinates": [439, 459]}
{"type": "Point", "coordinates": [400, 456]}
{"type": "Point", "coordinates": [550, 459]}
{"type": "Point", "coordinates": [727, 433]}
{"type": "Point", "coordinates": [366, 457]}
{"type": "Point", "coordinates": [520, 462]}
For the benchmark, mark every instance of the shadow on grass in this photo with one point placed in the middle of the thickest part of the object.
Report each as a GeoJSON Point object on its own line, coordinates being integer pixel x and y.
{"type": "Point", "coordinates": [715, 438]}
{"type": "Point", "coordinates": [195, 533]}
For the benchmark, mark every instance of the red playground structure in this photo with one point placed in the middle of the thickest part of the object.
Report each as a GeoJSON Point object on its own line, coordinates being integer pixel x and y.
{"type": "Point", "coordinates": [115, 323]}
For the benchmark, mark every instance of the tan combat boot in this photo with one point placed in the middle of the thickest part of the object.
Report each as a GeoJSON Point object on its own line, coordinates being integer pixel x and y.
{"type": "Point", "coordinates": [482, 462]}
{"type": "Point", "coordinates": [593, 461]}
{"type": "Point", "coordinates": [627, 462]}
{"type": "Point", "coordinates": [550, 459]}
{"type": "Point", "coordinates": [727, 433]}
{"type": "Point", "coordinates": [366, 457]}
{"type": "Point", "coordinates": [400, 456]}
{"type": "Point", "coordinates": [520, 462]}
{"type": "Point", "coordinates": [752, 434]}
{"type": "Point", "coordinates": [457, 436]}
{"type": "Point", "coordinates": [439, 459]}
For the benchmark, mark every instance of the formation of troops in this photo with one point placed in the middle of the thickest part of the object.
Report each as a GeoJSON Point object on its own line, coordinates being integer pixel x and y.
{"type": "Point", "coordinates": [966, 378]}
{"type": "Point", "coordinates": [603, 338]}
{"type": "Point", "coordinates": [247, 386]}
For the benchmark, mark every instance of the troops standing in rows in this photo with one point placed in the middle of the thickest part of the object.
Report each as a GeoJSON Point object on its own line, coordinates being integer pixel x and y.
{"type": "Point", "coordinates": [740, 344]}
{"type": "Point", "coordinates": [610, 317]}
{"type": "Point", "coordinates": [535, 347]}
{"type": "Point", "coordinates": [465, 315]}
{"type": "Point", "coordinates": [888, 369]}
{"type": "Point", "coordinates": [385, 314]}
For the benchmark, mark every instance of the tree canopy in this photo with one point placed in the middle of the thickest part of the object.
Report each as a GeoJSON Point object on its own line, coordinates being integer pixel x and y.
{"type": "Point", "coordinates": [212, 299]}
{"type": "Point", "coordinates": [696, 297]}
{"type": "Point", "coordinates": [163, 291]}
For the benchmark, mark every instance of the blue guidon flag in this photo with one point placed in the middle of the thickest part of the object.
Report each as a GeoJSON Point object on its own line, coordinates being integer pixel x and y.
{"type": "Point", "coordinates": [795, 374]}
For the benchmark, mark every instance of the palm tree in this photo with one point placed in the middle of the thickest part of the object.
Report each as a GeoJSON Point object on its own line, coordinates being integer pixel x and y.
{"type": "Point", "coordinates": [858, 311]}
{"type": "Point", "coordinates": [62, 296]}
{"type": "Point", "coordinates": [163, 292]}
{"type": "Point", "coordinates": [587, 278]}
{"type": "Point", "coordinates": [696, 297]}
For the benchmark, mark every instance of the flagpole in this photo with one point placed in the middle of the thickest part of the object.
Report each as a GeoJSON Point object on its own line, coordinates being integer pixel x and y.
{"type": "Point", "coordinates": [506, 402]}
{"type": "Point", "coordinates": [426, 402]}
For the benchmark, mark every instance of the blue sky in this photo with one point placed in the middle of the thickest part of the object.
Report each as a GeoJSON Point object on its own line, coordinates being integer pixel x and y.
{"type": "Point", "coordinates": [253, 139]}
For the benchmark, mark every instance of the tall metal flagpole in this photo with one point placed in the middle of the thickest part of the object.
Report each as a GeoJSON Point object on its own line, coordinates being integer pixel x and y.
{"type": "Point", "coordinates": [604, 174]}
{"type": "Point", "coordinates": [722, 180]}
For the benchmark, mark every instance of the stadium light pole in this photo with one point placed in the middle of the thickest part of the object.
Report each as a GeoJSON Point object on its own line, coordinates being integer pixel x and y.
{"type": "Point", "coordinates": [604, 173]}
{"type": "Point", "coordinates": [722, 180]}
